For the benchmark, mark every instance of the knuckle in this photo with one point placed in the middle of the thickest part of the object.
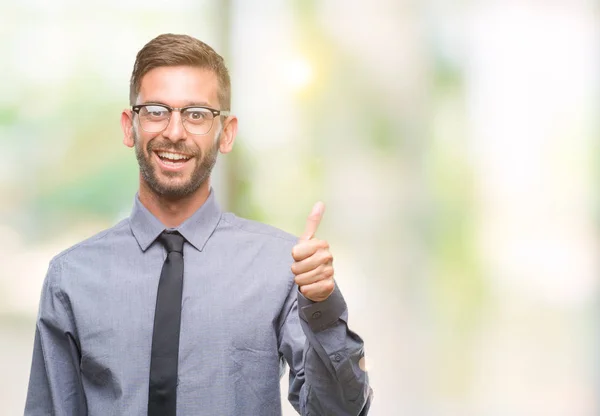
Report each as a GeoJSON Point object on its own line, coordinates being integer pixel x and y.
{"type": "Point", "coordinates": [327, 256]}
{"type": "Point", "coordinates": [295, 252]}
{"type": "Point", "coordinates": [311, 245]}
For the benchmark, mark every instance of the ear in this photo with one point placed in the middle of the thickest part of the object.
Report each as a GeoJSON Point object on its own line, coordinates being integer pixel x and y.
{"type": "Point", "coordinates": [228, 134]}
{"type": "Point", "coordinates": [127, 126]}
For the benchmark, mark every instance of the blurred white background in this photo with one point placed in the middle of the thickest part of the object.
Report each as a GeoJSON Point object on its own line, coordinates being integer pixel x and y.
{"type": "Point", "coordinates": [455, 144]}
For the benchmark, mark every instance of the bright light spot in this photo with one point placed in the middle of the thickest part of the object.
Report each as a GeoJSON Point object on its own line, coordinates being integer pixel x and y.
{"type": "Point", "coordinates": [298, 73]}
{"type": "Point", "coordinates": [362, 365]}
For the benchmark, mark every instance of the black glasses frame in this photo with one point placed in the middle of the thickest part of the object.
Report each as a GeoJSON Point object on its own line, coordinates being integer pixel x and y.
{"type": "Point", "coordinates": [136, 109]}
{"type": "Point", "coordinates": [216, 113]}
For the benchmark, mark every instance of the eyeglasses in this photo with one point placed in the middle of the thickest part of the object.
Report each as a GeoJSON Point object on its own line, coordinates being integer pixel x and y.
{"type": "Point", "coordinates": [154, 118]}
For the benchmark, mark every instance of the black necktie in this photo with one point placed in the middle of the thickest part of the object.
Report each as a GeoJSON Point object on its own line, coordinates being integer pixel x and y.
{"type": "Point", "coordinates": [162, 397]}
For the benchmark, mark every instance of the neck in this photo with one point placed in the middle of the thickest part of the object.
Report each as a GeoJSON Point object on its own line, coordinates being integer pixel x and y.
{"type": "Point", "coordinates": [173, 212]}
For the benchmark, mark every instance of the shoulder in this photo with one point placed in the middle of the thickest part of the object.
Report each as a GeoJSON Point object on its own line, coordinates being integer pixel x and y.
{"type": "Point", "coordinates": [256, 229]}
{"type": "Point", "coordinates": [263, 251]}
{"type": "Point", "coordinates": [84, 248]}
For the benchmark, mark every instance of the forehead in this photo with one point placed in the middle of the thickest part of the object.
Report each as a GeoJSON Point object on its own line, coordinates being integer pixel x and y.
{"type": "Point", "coordinates": [179, 86]}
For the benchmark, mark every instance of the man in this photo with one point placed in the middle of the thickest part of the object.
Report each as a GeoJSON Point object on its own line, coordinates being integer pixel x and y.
{"type": "Point", "coordinates": [182, 308]}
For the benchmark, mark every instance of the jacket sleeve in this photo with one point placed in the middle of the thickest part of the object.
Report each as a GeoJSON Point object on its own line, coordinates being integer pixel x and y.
{"type": "Point", "coordinates": [54, 381]}
{"type": "Point", "coordinates": [323, 355]}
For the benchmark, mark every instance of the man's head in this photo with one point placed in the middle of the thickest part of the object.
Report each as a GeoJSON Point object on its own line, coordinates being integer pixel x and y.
{"type": "Point", "coordinates": [179, 50]}
{"type": "Point", "coordinates": [177, 147]}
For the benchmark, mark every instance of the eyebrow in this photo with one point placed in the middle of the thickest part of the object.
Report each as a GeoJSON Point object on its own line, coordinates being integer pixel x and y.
{"type": "Point", "coordinates": [187, 104]}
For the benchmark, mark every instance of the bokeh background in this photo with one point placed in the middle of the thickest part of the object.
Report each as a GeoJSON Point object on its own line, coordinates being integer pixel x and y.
{"type": "Point", "coordinates": [455, 143]}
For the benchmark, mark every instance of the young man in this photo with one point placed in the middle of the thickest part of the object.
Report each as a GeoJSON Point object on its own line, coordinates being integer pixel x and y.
{"type": "Point", "coordinates": [182, 308]}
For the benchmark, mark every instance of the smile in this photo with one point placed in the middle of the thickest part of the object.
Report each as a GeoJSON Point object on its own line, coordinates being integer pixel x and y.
{"type": "Point", "coordinates": [171, 161]}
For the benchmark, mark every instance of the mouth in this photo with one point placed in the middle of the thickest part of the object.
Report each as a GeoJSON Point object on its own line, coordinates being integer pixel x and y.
{"type": "Point", "coordinates": [171, 161]}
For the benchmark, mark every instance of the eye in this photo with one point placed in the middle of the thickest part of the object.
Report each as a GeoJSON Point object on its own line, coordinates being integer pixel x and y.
{"type": "Point", "coordinates": [197, 114]}
{"type": "Point", "coordinates": [155, 111]}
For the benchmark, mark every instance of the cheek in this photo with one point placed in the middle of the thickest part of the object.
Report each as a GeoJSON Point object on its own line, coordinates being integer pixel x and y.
{"type": "Point", "coordinates": [217, 134]}
{"type": "Point", "coordinates": [201, 146]}
{"type": "Point", "coordinates": [141, 140]}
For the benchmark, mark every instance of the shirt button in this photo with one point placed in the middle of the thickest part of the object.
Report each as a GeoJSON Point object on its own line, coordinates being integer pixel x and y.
{"type": "Point", "coordinates": [337, 358]}
{"type": "Point", "coordinates": [316, 315]}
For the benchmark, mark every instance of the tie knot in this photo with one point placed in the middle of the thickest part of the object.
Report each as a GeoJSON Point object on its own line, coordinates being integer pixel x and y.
{"type": "Point", "coordinates": [172, 240]}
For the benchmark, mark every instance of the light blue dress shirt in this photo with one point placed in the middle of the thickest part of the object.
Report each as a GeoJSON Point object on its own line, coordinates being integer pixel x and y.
{"type": "Point", "coordinates": [242, 319]}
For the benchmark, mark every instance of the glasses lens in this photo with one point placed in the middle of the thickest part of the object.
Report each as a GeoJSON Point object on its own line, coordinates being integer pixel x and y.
{"type": "Point", "coordinates": [197, 120]}
{"type": "Point", "coordinates": [154, 118]}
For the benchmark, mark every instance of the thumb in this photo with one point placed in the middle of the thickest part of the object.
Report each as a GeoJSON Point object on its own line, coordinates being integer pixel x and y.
{"type": "Point", "coordinates": [313, 221]}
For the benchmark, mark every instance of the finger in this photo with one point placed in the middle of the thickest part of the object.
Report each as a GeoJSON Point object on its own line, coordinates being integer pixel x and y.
{"type": "Point", "coordinates": [318, 291]}
{"type": "Point", "coordinates": [324, 271]}
{"type": "Point", "coordinates": [306, 248]}
{"type": "Point", "coordinates": [312, 262]}
{"type": "Point", "coordinates": [313, 221]}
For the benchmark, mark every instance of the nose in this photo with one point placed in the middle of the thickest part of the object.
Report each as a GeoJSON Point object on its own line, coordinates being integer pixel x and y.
{"type": "Point", "coordinates": [175, 130]}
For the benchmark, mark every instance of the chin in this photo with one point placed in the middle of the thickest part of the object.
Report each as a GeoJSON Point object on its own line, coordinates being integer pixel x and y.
{"type": "Point", "coordinates": [174, 185]}
{"type": "Point", "coordinates": [173, 191]}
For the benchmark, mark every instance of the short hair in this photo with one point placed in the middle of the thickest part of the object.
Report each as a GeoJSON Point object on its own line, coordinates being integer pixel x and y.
{"type": "Point", "coordinates": [176, 50]}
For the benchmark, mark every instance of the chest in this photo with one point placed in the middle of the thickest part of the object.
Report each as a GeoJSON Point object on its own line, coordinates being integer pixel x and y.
{"type": "Point", "coordinates": [226, 305]}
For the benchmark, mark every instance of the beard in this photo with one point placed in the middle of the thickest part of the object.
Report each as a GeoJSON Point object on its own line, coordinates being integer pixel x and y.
{"type": "Point", "coordinates": [171, 188]}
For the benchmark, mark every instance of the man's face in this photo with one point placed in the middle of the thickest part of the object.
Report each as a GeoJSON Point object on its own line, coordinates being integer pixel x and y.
{"type": "Point", "coordinates": [174, 163]}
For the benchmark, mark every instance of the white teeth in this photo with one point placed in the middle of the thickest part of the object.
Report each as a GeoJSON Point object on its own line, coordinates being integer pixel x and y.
{"type": "Point", "coordinates": [172, 156]}
{"type": "Point", "coordinates": [170, 163]}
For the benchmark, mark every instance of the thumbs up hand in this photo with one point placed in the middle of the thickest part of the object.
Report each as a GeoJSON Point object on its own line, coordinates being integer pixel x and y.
{"type": "Point", "coordinates": [313, 265]}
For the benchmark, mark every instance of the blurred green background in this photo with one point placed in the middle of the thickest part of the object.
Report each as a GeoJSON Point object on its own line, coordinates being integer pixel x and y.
{"type": "Point", "coordinates": [455, 144]}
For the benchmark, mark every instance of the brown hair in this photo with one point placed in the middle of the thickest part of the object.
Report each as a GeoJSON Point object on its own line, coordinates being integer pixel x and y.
{"type": "Point", "coordinates": [174, 50]}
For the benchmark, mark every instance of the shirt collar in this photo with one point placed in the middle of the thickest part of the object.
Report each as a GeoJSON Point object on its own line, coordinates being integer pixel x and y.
{"type": "Point", "coordinates": [197, 229]}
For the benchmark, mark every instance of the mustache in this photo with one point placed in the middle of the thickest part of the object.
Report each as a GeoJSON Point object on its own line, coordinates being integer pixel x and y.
{"type": "Point", "coordinates": [168, 146]}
